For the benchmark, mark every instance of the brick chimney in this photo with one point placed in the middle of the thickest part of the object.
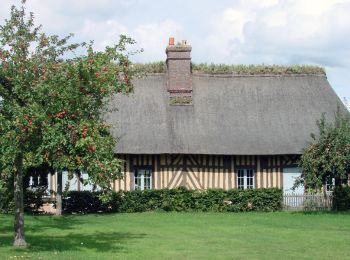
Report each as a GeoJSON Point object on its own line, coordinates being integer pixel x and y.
{"type": "Point", "coordinates": [179, 78]}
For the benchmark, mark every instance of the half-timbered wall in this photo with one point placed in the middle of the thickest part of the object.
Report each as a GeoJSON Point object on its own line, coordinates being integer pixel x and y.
{"type": "Point", "coordinates": [204, 171]}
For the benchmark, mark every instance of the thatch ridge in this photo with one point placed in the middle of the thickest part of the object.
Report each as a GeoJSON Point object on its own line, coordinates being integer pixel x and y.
{"type": "Point", "coordinates": [235, 69]}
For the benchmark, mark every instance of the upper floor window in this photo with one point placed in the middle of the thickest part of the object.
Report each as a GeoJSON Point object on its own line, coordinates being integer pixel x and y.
{"type": "Point", "coordinates": [245, 179]}
{"type": "Point", "coordinates": [143, 179]}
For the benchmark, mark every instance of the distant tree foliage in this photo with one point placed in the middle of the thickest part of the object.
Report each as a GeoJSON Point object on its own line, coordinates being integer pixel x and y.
{"type": "Point", "coordinates": [328, 156]}
{"type": "Point", "coordinates": [51, 109]}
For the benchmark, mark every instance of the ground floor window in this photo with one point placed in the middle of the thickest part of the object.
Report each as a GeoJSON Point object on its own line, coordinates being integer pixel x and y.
{"type": "Point", "coordinates": [143, 179]}
{"type": "Point", "coordinates": [330, 183]}
{"type": "Point", "coordinates": [245, 179]}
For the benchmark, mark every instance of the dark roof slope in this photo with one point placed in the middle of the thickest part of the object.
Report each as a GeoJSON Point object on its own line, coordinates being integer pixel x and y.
{"type": "Point", "coordinates": [247, 115]}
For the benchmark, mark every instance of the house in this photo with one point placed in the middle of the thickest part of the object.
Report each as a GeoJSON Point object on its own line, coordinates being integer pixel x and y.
{"type": "Point", "coordinates": [199, 130]}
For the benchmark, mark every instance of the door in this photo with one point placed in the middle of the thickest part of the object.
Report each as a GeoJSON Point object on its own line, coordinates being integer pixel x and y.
{"type": "Point", "coordinates": [289, 177]}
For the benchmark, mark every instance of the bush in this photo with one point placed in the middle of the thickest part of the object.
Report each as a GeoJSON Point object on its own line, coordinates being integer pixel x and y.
{"type": "Point", "coordinates": [341, 198]}
{"type": "Point", "coordinates": [33, 199]}
{"type": "Point", "coordinates": [179, 199]}
{"type": "Point", "coordinates": [6, 197]}
{"type": "Point", "coordinates": [88, 202]}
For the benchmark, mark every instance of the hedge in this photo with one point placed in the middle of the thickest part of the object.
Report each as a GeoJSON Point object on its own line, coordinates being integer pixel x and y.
{"type": "Point", "coordinates": [32, 199]}
{"type": "Point", "coordinates": [341, 198]}
{"type": "Point", "coordinates": [179, 199]}
{"type": "Point", "coordinates": [88, 202]}
{"type": "Point", "coordinates": [6, 197]}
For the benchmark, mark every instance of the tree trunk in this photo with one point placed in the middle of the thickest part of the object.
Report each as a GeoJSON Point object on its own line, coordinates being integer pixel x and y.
{"type": "Point", "coordinates": [19, 239]}
{"type": "Point", "coordinates": [59, 194]}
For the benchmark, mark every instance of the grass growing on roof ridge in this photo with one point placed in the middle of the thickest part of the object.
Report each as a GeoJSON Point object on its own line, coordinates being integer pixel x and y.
{"type": "Point", "coordinates": [156, 235]}
{"type": "Point", "coordinates": [238, 69]}
{"type": "Point", "coordinates": [262, 69]}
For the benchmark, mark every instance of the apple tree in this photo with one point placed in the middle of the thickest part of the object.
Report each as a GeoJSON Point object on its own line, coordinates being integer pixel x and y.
{"type": "Point", "coordinates": [52, 103]}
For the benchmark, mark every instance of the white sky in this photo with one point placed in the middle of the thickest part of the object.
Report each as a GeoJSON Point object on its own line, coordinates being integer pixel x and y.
{"type": "Point", "coordinates": [235, 31]}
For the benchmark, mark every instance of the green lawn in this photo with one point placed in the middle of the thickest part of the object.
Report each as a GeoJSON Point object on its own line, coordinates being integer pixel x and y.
{"type": "Point", "coordinates": [182, 236]}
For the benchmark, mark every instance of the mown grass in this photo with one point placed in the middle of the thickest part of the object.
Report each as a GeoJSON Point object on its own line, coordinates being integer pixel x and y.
{"type": "Point", "coordinates": [277, 235]}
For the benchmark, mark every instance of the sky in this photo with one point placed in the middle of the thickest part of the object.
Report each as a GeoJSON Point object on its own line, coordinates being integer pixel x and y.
{"type": "Point", "coordinates": [233, 32]}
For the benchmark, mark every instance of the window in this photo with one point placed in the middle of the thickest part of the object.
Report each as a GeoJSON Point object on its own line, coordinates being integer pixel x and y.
{"type": "Point", "coordinates": [86, 184]}
{"type": "Point", "coordinates": [36, 177]}
{"type": "Point", "coordinates": [330, 183]}
{"type": "Point", "coordinates": [69, 181]}
{"type": "Point", "coordinates": [245, 179]}
{"type": "Point", "coordinates": [143, 179]}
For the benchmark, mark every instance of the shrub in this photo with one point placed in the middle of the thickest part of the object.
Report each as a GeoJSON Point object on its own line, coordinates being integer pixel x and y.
{"type": "Point", "coordinates": [88, 202]}
{"type": "Point", "coordinates": [33, 199]}
{"type": "Point", "coordinates": [179, 199]}
{"type": "Point", "coordinates": [341, 198]}
{"type": "Point", "coordinates": [6, 197]}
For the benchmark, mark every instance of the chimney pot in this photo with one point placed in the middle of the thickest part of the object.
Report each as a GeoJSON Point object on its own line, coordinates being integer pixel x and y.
{"type": "Point", "coordinates": [171, 40]}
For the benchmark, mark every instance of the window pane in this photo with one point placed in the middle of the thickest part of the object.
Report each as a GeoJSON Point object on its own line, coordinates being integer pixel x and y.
{"type": "Point", "coordinates": [147, 173]}
{"type": "Point", "coordinates": [240, 173]}
{"type": "Point", "coordinates": [241, 183]}
{"type": "Point", "coordinates": [249, 183]}
{"type": "Point", "coordinates": [330, 183]}
{"type": "Point", "coordinates": [250, 173]}
{"type": "Point", "coordinates": [240, 179]}
{"type": "Point", "coordinates": [142, 179]}
{"type": "Point", "coordinates": [147, 184]}
{"type": "Point", "coordinates": [250, 179]}
{"type": "Point", "coordinates": [245, 179]}
{"type": "Point", "coordinates": [137, 183]}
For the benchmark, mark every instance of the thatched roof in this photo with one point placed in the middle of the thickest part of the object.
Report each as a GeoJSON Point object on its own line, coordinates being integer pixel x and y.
{"type": "Point", "coordinates": [247, 115]}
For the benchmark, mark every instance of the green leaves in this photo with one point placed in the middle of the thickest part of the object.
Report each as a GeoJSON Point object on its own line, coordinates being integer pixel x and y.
{"type": "Point", "coordinates": [178, 199]}
{"type": "Point", "coordinates": [52, 106]}
{"type": "Point", "coordinates": [329, 155]}
{"type": "Point", "coordinates": [341, 199]}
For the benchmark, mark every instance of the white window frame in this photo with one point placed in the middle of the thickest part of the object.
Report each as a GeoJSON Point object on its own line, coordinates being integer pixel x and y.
{"type": "Point", "coordinates": [247, 176]}
{"type": "Point", "coordinates": [330, 184]}
{"type": "Point", "coordinates": [140, 175]}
